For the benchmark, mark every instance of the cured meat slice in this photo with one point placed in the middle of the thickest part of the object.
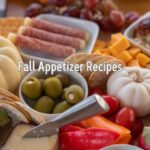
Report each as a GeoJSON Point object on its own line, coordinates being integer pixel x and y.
{"type": "Point", "coordinates": [51, 49]}
{"type": "Point", "coordinates": [57, 28]}
{"type": "Point", "coordinates": [52, 37]}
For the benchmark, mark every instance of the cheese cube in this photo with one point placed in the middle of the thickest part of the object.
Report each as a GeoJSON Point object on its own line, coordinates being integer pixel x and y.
{"type": "Point", "coordinates": [116, 37]}
{"type": "Point", "coordinates": [119, 46]}
{"type": "Point", "coordinates": [106, 53]}
{"type": "Point", "coordinates": [134, 62]}
{"type": "Point", "coordinates": [100, 44]}
{"type": "Point", "coordinates": [96, 49]}
{"type": "Point", "coordinates": [103, 50]}
{"type": "Point", "coordinates": [125, 56]}
{"type": "Point", "coordinates": [134, 51]}
{"type": "Point", "coordinates": [143, 59]}
{"type": "Point", "coordinates": [97, 52]}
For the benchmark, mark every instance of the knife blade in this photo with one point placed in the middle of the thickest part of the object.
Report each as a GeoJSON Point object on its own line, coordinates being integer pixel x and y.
{"type": "Point", "coordinates": [3, 8]}
{"type": "Point", "coordinates": [89, 107]}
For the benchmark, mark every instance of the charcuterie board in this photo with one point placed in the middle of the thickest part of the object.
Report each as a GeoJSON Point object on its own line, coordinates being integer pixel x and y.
{"type": "Point", "coordinates": [70, 59]}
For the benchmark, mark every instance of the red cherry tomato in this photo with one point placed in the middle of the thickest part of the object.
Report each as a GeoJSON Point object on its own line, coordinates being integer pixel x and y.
{"type": "Point", "coordinates": [95, 91]}
{"type": "Point", "coordinates": [113, 104]}
{"type": "Point", "coordinates": [126, 117]}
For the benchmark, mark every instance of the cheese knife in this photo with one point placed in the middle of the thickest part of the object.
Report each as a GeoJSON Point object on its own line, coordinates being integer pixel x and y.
{"type": "Point", "coordinates": [3, 4]}
{"type": "Point", "coordinates": [89, 107]}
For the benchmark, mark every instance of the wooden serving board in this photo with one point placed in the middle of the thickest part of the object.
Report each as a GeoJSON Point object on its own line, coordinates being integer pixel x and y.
{"type": "Point", "coordinates": [141, 6]}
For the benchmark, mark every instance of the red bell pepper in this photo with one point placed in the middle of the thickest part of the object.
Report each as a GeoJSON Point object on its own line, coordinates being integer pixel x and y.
{"type": "Point", "coordinates": [70, 128]}
{"type": "Point", "coordinates": [87, 139]}
{"type": "Point", "coordinates": [101, 122]}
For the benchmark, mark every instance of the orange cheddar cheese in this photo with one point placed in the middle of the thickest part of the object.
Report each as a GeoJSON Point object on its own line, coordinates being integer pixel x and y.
{"type": "Point", "coordinates": [103, 50]}
{"type": "Point", "coordinates": [119, 46]}
{"type": "Point", "coordinates": [134, 62]}
{"type": "Point", "coordinates": [97, 52]}
{"type": "Point", "coordinates": [100, 44]}
{"type": "Point", "coordinates": [116, 37]}
{"type": "Point", "coordinates": [106, 53]}
{"type": "Point", "coordinates": [125, 56]}
{"type": "Point", "coordinates": [96, 49]}
{"type": "Point", "coordinates": [143, 59]}
{"type": "Point", "coordinates": [134, 51]}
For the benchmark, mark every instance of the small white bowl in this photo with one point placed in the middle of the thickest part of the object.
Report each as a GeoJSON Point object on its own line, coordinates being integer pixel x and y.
{"type": "Point", "coordinates": [85, 25]}
{"type": "Point", "coordinates": [121, 147]}
{"type": "Point", "coordinates": [130, 31]}
{"type": "Point", "coordinates": [75, 77]}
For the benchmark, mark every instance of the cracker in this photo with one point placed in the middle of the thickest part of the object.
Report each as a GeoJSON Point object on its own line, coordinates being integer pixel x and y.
{"type": "Point", "coordinates": [35, 116]}
{"type": "Point", "coordinates": [13, 112]}
{"type": "Point", "coordinates": [4, 93]}
{"type": "Point", "coordinates": [73, 59]}
{"type": "Point", "coordinates": [99, 59]}
{"type": "Point", "coordinates": [10, 24]}
{"type": "Point", "coordinates": [87, 58]}
{"type": "Point", "coordinates": [100, 78]}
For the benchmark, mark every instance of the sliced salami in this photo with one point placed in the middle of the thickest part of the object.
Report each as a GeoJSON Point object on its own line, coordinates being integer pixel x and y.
{"type": "Point", "coordinates": [57, 28]}
{"type": "Point", "coordinates": [52, 37]}
{"type": "Point", "coordinates": [51, 49]}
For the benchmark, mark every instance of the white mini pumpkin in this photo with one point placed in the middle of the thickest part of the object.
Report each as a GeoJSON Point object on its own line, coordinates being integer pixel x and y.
{"type": "Point", "coordinates": [131, 86]}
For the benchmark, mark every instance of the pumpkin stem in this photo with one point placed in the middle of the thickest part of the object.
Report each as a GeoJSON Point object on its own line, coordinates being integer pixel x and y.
{"type": "Point", "coordinates": [136, 75]}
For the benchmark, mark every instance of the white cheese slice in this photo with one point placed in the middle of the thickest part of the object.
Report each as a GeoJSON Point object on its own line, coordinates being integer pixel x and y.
{"type": "Point", "coordinates": [16, 142]}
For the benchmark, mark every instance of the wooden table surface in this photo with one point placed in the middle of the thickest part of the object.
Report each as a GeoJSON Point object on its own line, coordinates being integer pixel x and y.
{"type": "Point", "coordinates": [17, 7]}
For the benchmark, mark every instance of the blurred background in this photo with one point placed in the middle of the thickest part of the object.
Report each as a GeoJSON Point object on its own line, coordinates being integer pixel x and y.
{"type": "Point", "coordinates": [17, 7]}
{"type": "Point", "coordinates": [111, 15]}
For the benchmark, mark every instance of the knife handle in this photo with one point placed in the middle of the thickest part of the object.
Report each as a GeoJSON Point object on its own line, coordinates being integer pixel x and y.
{"type": "Point", "coordinates": [89, 107]}
{"type": "Point", "coordinates": [3, 5]}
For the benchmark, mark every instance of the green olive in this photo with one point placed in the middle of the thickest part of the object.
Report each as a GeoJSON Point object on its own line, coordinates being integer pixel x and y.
{"type": "Point", "coordinates": [45, 104]}
{"type": "Point", "coordinates": [64, 79]}
{"type": "Point", "coordinates": [74, 94]}
{"type": "Point", "coordinates": [32, 88]}
{"type": "Point", "coordinates": [61, 107]}
{"type": "Point", "coordinates": [4, 118]}
{"type": "Point", "coordinates": [53, 87]}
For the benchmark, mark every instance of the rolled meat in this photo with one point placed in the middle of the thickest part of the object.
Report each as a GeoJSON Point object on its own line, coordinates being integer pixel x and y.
{"type": "Point", "coordinates": [56, 28]}
{"type": "Point", "coordinates": [52, 37]}
{"type": "Point", "coordinates": [51, 49]}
